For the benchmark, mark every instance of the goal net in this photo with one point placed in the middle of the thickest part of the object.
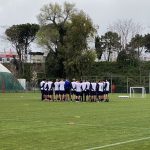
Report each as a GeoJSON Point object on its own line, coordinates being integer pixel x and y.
{"type": "Point", "coordinates": [137, 92]}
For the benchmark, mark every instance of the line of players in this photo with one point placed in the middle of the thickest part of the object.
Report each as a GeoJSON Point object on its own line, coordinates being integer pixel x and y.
{"type": "Point", "coordinates": [64, 90]}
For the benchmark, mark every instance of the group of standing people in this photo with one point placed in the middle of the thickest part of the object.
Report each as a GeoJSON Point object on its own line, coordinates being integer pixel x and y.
{"type": "Point", "coordinates": [75, 90]}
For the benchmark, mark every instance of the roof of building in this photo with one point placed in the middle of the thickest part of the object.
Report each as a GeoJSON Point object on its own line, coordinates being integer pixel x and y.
{"type": "Point", "coordinates": [36, 53]}
{"type": "Point", "coordinates": [4, 69]}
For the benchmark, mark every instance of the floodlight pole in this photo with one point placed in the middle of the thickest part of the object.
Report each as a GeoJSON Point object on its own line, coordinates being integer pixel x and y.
{"type": "Point", "coordinates": [149, 82]}
{"type": "Point", "coordinates": [127, 85]}
{"type": "Point", "coordinates": [111, 83]}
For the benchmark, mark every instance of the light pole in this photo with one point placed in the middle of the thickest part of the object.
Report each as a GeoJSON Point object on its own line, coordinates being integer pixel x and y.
{"type": "Point", "coordinates": [149, 82]}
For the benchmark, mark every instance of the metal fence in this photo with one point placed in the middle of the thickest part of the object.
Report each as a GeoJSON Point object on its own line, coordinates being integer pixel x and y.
{"type": "Point", "coordinates": [119, 84]}
{"type": "Point", "coordinates": [122, 84]}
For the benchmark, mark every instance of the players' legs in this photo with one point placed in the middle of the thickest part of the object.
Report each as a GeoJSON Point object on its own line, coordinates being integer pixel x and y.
{"type": "Point", "coordinates": [94, 96]}
{"type": "Point", "coordinates": [68, 95]}
{"type": "Point", "coordinates": [42, 95]}
{"type": "Point", "coordinates": [101, 96]}
{"type": "Point", "coordinates": [87, 95]}
{"type": "Point", "coordinates": [106, 96]}
{"type": "Point", "coordinates": [46, 95]}
{"type": "Point", "coordinates": [73, 95]}
{"type": "Point", "coordinates": [51, 95]}
{"type": "Point", "coordinates": [57, 97]}
{"type": "Point", "coordinates": [78, 96]}
{"type": "Point", "coordinates": [90, 96]}
{"type": "Point", "coordinates": [61, 95]}
{"type": "Point", "coordinates": [84, 96]}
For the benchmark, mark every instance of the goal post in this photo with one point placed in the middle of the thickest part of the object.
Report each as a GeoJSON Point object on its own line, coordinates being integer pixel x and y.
{"type": "Point", "coordinates": [139, 92]}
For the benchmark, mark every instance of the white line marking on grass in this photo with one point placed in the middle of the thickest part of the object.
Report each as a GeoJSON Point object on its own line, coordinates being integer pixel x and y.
{"type": "Point", "coordinates": [119, 143]}
{"type": "Point", "coordinates": [90, 125]}
{"type": "Point", "coordinates": [81, 124]}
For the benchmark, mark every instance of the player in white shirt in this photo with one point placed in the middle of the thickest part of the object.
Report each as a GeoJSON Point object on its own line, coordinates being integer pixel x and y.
{"type": "Point", "coordinates": [62, 90]}
{"type": "Point", "coordinates": [87, 89]}
{"type": "Point", "coordinates": [106, 90]}
{"type": "Point", "coordinates": [78, 91]}
{"type": "Point", "coordinates": [50, 90]}
{"type": "Point", "coordinates": [46, 90]}
{"type": "Point", "coordinates": [42, 89]}
{"type": "Point", "coordinates": [56, 89]}
{"type": "Point", "coordinates": [101, 91]}
{"type": "Point", "coordinates": [83, 86]}
{"type": "Point", "coordinates": [73, 89]}
{"type": "Point", "coordinates": [93, 88]}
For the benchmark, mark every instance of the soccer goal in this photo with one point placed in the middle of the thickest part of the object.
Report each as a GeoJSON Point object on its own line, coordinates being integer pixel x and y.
{"type": "Point", "coordinates": [137, 92]}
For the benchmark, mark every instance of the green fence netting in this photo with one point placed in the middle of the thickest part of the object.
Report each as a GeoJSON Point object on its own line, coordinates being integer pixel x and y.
{"type": "Point", "coordinates": [8, 83]}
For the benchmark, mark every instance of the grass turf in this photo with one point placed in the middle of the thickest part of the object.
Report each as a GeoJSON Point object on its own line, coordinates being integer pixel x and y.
{"type": "Point", "coordinates": [26, 123]}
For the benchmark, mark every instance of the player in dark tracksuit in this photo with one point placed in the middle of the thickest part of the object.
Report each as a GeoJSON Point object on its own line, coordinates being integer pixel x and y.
{"type": "Point", "coordinates": [67, 89]}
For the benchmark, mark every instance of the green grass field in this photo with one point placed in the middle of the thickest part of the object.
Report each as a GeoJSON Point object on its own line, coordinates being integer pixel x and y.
{"type": "Point", "coordinates": [26, 123]}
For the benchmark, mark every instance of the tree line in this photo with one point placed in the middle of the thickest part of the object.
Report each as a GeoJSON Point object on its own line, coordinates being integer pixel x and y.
{"type": "Point", "coordinates": [67, 34]}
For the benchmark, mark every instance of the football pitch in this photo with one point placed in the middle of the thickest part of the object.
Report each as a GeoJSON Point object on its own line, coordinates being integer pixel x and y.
{"type": "Point", "coordinates": [26, 123]}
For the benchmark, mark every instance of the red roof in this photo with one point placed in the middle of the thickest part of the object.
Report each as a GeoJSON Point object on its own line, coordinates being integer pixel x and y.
{"type": "Point", "coordinates": [7, 55]}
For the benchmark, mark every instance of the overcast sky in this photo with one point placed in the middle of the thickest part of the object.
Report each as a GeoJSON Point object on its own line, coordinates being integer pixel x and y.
{"type": "Point", "coordinates": [102, 12]}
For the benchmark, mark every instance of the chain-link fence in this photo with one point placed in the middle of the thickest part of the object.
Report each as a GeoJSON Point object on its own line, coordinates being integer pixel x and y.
{"type": "Point", "coordinates": [119, 84]}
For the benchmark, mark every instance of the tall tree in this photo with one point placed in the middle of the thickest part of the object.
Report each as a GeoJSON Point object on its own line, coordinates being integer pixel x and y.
{"type": "Point", "coordinates": [21, 36]}
{"type": "Point", "coordinates": [126, 29]}
{"type": "Point", "coordinates": [112, 43]}
{"type": "Point", "coordinates": [108, 43]}
{"type": "Point", "coordinates": [137, 43]}
{"type": "Point", "coordinates": [147, 42]}
{"type": "Point", "coordinates": [99, 47]}
{"type": "Point", "coordinates": [64, 33]}
{"type": "Point", "coordinates": [127, 58]}
{"type": "Point", "coordinates": [53, 19]}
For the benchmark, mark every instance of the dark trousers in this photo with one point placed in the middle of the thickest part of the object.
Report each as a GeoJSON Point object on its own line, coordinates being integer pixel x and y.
{"type": "Point", "coordinates": [42, 95]}
{"type": "Point", "coordinates": [84, 96]}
